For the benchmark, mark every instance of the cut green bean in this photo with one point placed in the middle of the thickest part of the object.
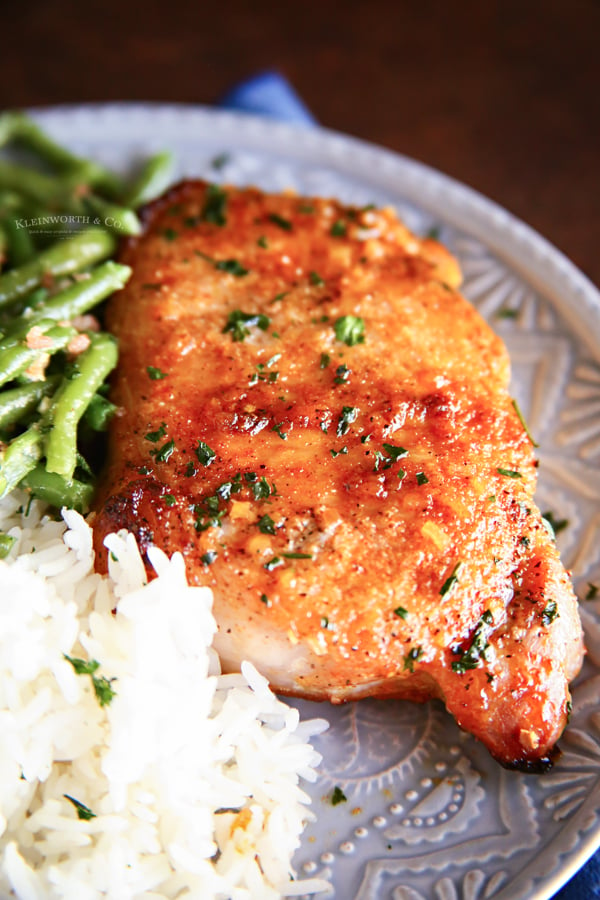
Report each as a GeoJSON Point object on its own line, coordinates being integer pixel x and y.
{"type": "Point", "coordinates": [152, 179]}
{"type": "Point", "coordinates": [16, 336]}
{"type": "Point", "coordinates": [56, 490]}
{"type": "Point", "coordinates": [15, 361]}
{"type": "Point", "coordinates": [118, 219]}
{"type": "Point", "coordinates": [62, 258]}
{"type": "Point", "coordinates": [98, 414]}
{"type": "Point", "coordinates": [82, 296]}
{"type": "Point", "coordinates": [72, 399]}
{"type": "Point", "coordinates": [19, 458]}
{"type": "Point", "coordinates": [16, 126]}
{"type": "Point", "coordinates": [18, 402]}
{"type": "Point", "coordinates": [20, 246]}
{"type": "Point", "coordinates": [9, 122]}
{"type": "Point", "coordinates": [47, 190]}
{"type": "Point", "coordinates": [3, 246]}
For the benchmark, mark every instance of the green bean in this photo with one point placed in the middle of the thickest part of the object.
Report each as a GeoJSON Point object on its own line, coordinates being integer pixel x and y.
{"type": "Point", "coordinates": [47, 190]}
{"type": "Point", "coordinates": [17, 402]}
{"type": "Point", "coordinates": [152, 179]}
{"type": "Point", "coordinates": [8, 126]}
{"type": "Point", "coordinates": [98, 414]}
{"type": "Point", "coordinates": [16, 126]}
{"type": "Point", "coordinates": [19, 243]}
{"type": "Point", "coordinates": [82, 296]}
{"type": "Point", "coordinates": [118, 219]}
{"type": "Point", "coordinates": [3, 245]}
{"type": "Point", "coordinates": [14, 361]}
{"type": "Point", "coordinates": [56, 490]}
{"type": "Point", "coordinates": [62, 258]}
{"type": "Point", "coordinates": [20, 456]}
{"type": "Point", "coordinates": [71, 401]}
{"type": "Point", "coordinates": [10, 202]}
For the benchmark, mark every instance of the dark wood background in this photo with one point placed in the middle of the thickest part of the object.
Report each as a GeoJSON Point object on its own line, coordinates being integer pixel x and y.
{"type": "Point", "coordinates": [501, 94]}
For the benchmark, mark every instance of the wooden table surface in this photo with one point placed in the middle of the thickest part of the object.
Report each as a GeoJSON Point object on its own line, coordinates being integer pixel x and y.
{"type": "Point", "coordinates": [501, 94]}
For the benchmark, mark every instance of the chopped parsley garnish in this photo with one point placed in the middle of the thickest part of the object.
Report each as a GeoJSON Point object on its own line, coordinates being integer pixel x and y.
{"type": "Point", "coordinates": [550, 612]}
{"type": "Point", "coordinates": [347, 416]}
{"type": "Point", "coordinates": [208, 514]}
{"type": "Point", "coordinates": [220, 161]}
{"type": "Point", "coordinates": [232, 267]}
{"type": "Point", "coordinates": [507, 312]}
{"type": "Point", "coordinates": [306, 208]}
{"type": "Point", "coordinates": [273, 563]}
{"type": "Point", "coordinates": [413, 655]}
{"type": "Point", "coordinates": [205, 454]}
{"type": "Point", "coordinates": [209, 557]}
{"type": "Point", "coordinates": [264, 599]}
{"type": "Point", "coordinates": [325, 622]}
{"type": "Point", "coordinates": [393, 452]}
{"type": "Point", "coordinates": [155, 374]}
{"type": "Point", "coordinates": [82, 666]}
{"type": "Point", "coordinates": [169, 234]}
{"type": "Point", "coordinates": [262, 242]}
{"type": "Point", "coordinates": [471, 658]}
{"type": "Point", "coordinates": [342, 374]}
{"type": "Point", "coordinates": [164, 453]}
{"type": "Point", "coordinates": [350, 330]}
{"type": "Point", "coordinates": [215, 203]}
{"type": "Point", "coordinates": [261, 489]}
{"type": "Point", "coordinates": [155, 436]}
{"type": "Point", "coordinates": [239, 323]}
{"type": "Point", "coordinates": [297, 555]}
{"type": "Point", "coordinates": [169, 499]}
{"type": "Point", "coordinates": [266, 525]}
{"type": "Point", "coordinates": [592, 591]}
{"type": "Point", "coordinates": [103, 690]}
{"type": "Point", "coordinates": [422, 478]}
{"type": "Point", "coordinates": [280, 221]}
{"type": "Point", "coordinates": [338, 229]}
{"type": "Point", "coordinates": [278, 430]}
{"type": "Point", "coordinates": [152, 286]}
{"type": "Point", "coordinates": [83, 811]}
{"type": "Point", "coordinates": [281, 296]}
{"type": "Point", "coordinates": [324, 360]}
{"type": "Point", "coordinates": [316, 279]}
{"type": "Point", "coordinates": [555, 525]}
{"type": "Point", "coordinates": [102, 686]}
{"type": "Point", "coordinates": [227, 488]}
{"type": "Point", "coordinates": [521, 418]}
{"type": "Point", "coordinates": [509, 473]}
{"type": "Point", "coordinates": [401, 612]}
{"type": "Point", "coordinates": [451, 581]}
{"type": "Point", "coordinates": [338, 796]}
{"type": "Point", "coordinates": [341, 452]}
{"type": "Point", "coordinates": [190, 470]}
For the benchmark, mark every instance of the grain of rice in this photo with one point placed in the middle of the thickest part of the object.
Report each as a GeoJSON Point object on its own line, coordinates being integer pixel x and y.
{"type": "Point", "coordinates": [186, 784]}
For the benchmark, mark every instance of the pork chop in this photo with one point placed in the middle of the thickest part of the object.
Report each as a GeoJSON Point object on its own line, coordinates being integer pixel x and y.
{"type": "Point", "coordinates": [318, 420]}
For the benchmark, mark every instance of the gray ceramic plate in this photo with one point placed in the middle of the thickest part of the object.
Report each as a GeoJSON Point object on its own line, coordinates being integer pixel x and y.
{"type": "Point", "coordinates": [428, 814]}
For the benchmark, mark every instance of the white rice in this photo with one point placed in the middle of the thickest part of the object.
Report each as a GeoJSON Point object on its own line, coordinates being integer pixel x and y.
{"type": "Point", "coordinates": [193, 777]}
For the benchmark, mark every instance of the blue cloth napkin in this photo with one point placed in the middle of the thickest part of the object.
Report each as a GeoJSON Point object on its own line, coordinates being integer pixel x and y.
{"type": "Point", "coordinates": [270, 94]}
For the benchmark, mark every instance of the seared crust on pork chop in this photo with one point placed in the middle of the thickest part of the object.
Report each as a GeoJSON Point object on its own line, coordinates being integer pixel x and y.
{"type": "Point", "coordinates": [316, 418]}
